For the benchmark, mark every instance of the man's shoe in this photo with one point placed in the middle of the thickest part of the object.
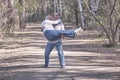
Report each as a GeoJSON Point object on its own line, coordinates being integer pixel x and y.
{"type": "Point", "coordinates": [62, 67]}
{"type": "Point", "coordinates": [45, 66]}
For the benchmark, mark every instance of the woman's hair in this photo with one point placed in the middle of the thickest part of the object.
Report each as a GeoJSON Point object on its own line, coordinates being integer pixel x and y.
{"type": "Point", "coordinates": [48, 17]}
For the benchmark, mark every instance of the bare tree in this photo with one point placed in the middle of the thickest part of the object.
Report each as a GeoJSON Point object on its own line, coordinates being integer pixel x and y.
{"type": "Point", "coordinates": [45, 7]}
{"type": "Point", "coordinates": [81, 14]}
{"type": "Point", "coordinates": [76, 12]}
{"type": "Point", "coordinates": [55, 6]}
{"type": "Point", "coordinates": [60, 3]}
{"type": "Point", "coordinates": [58, 6]}
{"type": "Point", "coordinates": [22, 14]}
{"type": "Point", "coordinates": [110, 24]}
{"type": "Point", "coordinates": [94, 6]}
{"type": "Point", "coordinates": [7, 18]}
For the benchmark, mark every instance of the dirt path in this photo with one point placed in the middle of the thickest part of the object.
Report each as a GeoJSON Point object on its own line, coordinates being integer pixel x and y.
{"type": "Point", "coordinates": [86, 59]}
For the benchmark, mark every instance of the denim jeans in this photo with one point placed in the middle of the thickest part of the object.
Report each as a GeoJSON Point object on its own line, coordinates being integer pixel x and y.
{"type": "Point", "coordinates": [53, 35]}
{"type": "Point", "coordinates": [49, 48]}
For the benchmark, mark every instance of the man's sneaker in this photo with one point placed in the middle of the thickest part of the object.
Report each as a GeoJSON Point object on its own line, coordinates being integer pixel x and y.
{"type": "Point", "coordinates": [62, 67]}
{"type": "Point", "coordinates": [45, 66]}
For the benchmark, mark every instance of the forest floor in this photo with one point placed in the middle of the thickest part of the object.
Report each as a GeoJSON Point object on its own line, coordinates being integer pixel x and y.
{"type": "Point", "coordinates": [22, 58]}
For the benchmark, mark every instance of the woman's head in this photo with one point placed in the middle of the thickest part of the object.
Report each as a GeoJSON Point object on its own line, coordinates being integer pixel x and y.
{"type": "Point", "coordinates": [48, 17]}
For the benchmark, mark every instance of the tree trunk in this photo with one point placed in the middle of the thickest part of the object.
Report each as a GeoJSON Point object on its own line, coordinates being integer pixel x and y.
{"type": "Point", "coordinates": [76, 13]}
{"type": "Point", "coordinates": [60, 3]}
{"type": "Point", "coordinates": [22, 15]}
{"type": "Point", "coordinates": [81, 14]}
{"type": "Point", "coordinates": [63, 11]}
{"type": "Point", "coordinates": [118, 35]}
{"type": "Point", "coordinates": [114, 25]}
{"type": "Point", "coordinates": [46, 7]}
{"type": "Point", "coordinates": [8, 16]}
{"type": "Point", "coordinates": [55, 6]}
{"type": "Point", "coordinates": [94, 6]}
{"type": "Point", "coordinates": [58, 6]}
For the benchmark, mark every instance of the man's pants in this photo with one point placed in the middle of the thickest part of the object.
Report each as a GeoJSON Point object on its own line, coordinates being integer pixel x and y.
{"type": "Point", "coordinates": [49, 48]}
{"type": "Point", "coordinates": [53, 35]}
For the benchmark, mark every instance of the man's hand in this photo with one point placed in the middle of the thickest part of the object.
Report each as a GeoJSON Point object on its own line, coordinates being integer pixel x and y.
{"type": "Point", "coordinates": [62, 36]}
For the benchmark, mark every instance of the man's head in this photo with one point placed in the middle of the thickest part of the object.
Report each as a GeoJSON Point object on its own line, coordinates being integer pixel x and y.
{"type": "Point", "coordinates": [48, 17]}
{"type": "Point", "coordinates": [56, 16]}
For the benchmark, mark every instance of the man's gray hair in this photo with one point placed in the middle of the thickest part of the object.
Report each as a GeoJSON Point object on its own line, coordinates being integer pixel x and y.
{"type": "Point", "coordinates": [48, 17]}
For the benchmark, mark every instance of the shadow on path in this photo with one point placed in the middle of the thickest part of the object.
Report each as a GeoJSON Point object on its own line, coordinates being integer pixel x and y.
{"type": "Point", "coordinates": [84, 61]}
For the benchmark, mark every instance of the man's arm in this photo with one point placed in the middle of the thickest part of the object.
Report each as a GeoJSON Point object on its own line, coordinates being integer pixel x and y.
{"type": "Point", "coordinates": [53, 22]}
{"type": "Point", "coordinates": [62, 26]}
{"type": "Point", "coordinates": [54, 25]}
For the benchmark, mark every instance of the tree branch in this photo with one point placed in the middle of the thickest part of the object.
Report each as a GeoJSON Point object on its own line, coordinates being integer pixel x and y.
{"type": "Point", "coordinates": [110, 16]}
{"type": "Point", "coordinates": [98, 21]}
{"type": "Point", "coordinates": [113, 7]}
{"type": "Point", "coordinates": [117, 26]}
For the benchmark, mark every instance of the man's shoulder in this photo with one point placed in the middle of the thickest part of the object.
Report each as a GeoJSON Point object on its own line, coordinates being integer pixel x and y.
{"type": "Point", "coordinates": [59, 19]}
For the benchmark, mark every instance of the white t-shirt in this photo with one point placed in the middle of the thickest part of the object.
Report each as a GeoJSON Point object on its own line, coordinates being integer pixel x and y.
{"type": "Point", "coordinates": [60, 26]}
{"type": "Point", "coordinates": [47, 24]}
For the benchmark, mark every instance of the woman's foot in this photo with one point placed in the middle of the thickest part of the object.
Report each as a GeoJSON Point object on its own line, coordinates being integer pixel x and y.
{"type": "Point", "coordinates": [77, 31]}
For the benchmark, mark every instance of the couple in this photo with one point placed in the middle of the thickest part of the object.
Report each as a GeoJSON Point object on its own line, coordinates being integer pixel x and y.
{"type": "Point", "coordinates": [53, 30]}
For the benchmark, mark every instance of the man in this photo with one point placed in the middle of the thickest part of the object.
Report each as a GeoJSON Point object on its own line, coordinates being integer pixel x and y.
{"type": "Point", "coordinates": [59, 46]}
{"type": "Point", "coordinates": [53, 43]}
{"type": "Point", "coordinates": [54, 35]}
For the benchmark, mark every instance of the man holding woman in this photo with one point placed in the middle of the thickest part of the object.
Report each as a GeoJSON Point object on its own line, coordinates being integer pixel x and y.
{"type": "Point", "coordinates": [54, 31]}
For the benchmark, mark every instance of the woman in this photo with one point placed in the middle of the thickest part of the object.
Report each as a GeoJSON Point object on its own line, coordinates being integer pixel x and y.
{"type": "Point", "coordinates": [51, 34]}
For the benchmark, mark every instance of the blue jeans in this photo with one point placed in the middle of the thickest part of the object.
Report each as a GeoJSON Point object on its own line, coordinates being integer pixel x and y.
{"type": "Point", "coordinates": [53, 35]}
{"type": "Point", "coordinates": [49, 48]}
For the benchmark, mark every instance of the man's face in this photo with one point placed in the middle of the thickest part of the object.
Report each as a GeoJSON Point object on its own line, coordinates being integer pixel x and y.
{"type": "Point", "coordinates": [56, 16]}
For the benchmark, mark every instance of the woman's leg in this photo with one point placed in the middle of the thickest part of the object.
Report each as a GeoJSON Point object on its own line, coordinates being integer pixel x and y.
{"type": "Point", "coordinates": [68, 33]}
{"type": "Point", "coordinates": [53, 35]}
